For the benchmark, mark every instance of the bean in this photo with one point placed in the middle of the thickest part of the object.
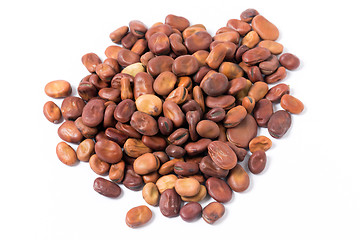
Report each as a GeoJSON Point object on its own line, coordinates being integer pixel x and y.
{"type": "Point", "coordinates": [216, 56]}
{"type": "Point", "coordinates": [150, 104]}
{"type": "Point", "coordinates": [190, 211]}
{"type": "Point", "coordinates": [260, 143]}
{"type": "Point", "coordinates": [66, 154]}
{"type": "Point", "coordinates": [165, 125]}
{"type": "Point", "coordinates": [117, 172]}
{"type": "Point", "coordinates": [179, 136]}
{"type": "Point", "coordinates": [127, 130]}
{"type": "Point", "coordinates": [144, 123]}
{"type": "Point", "coordinates": [87, 132]}
{"type": "Point", "coordinates": [90, 61]}
{"type": "Point", "coordinates": [214, 84]}
{"type": "Point", "coordinates": [132, 180]}
{"type": "Point", "coordinates": [275, 93]}
{"type": "Point", "coordinates": [234, 116]}
{"type": "Point", "coordinates": [238, 179]}
{"type": "Point", "coordinates": [199, 97]}
{"type": "Point", "coordinates": [256, 55]}
{"type": "Point", "coordinates": [191, 105]}
{"type": "Point", "coordinates": [279, 123]}
{"type": "Point", "coordinates": [164, 83]}
{"type": "Point", "coordinates": [263, 111]}
{"type": "Point", "coordinates": [241, 135]}
{"type": "Point", "coordinates": [250, 40]}
{"type": "Point", "coordinates": [159, 43]}
{"type": "Point", "coordinates": [177, 22]}
{"type": "Point", "coordinates": [210, 168]}
{"type": "Point", "coordinates": [93, 112]}
{"type": "Point", "coordinates": [52, 112]}
{"type": "Point", "coordinates": [187, 187]}
{"type": "Point", "coordinates": [258, 90]}
{"type": "Point", "coordinates": [257, 162]}
{"type": "Point", "coordinates": [151, 194]}
{"type": "Point", "coordinates": [146, 164]}
{"type": "Point", "coordinates": [269, 66]}
{"type": "Point", "coordinates": [178, 95]}
{"type": "Point", "coordinates": [138, 216]}
{"type": "Point", "coordinates": [135, 148]}
{"type": "Point", "coordinates": [199, 40]}
{"type": "Point", "coordinates": [170, 203]}
{"type": "Point", "coordinates": [196, 148]}
{"type": "Point", "coordinates": [248, 14]}
{"type": "Point", "coordinates": [223, 101]}
{"type": "Point", "coordinates": [85, 149]}
{"type": "Point", "coordinates": [213, 212]}
{"type": "Point", "coordinates": [98, 166]}
{"type": "Point", "coordinates": [289, 61]}
{"type": "Point", "coordinates": [201, 56]}
{"type": "Point", "coordinates": [229, 67]}
{"type": "Point", "coordinates": [106, 188]}
{"type": "Point", "coordinates": [110, 94]}
{"type": "Point", "coordinates": [108, 151]}
{"type": "Point", "coordinates": [151, 177]}
{"type": "Point", "coordinates": [186, 168]}
{"type": "Point", "coordinates": [156, 143]}
{"type": "Point", "coordinates": [236, 85]}
{"type": "Point", "coordinates": [274, 47]}
{"type": "Point", "coordinates": [222, 155]}
{"type": "Point", "coordinates": [69, 132]}
{"type": "Point", "coordinates": [137, 28]}
{"type": "Point", "coordinates": [291, 104]}
{"type": "Point", "coordinates": [159, 64]}
{"type": "Point", "coordinates": [109, 120]}
{"type": "Point", "coordinates": [164, 28]}
{"type": "Point", "coordinates": [278, 75]}
{"type": "Point", "coordinates": [240, 26]}
{"type": "Point", "coordinates": [248, 103]}
{"type": "Point", "coordinates": [185, 65]}
{"type": "Point", "coordinates": [192, 118]}
{"type": "Point", "coordinates": [230, 36]}
{"type": "Point", "coordinates": [215, 114]}
{"type": "Point", "coordinates": [112, 51]}
{"type": "Point", "coordinates": [87, 91]}
{"type": "Point", "coordinates": [264, 28]}
{"type": "Point", "coordinates": [133, 69]}
{"type": "Point", "coordinates": [166, 182]}
{"type": "Point", "coordinates": [105, 72]}
{"type": "Point", "coordinates": [218, 189]}
{"type": "Point", "coordinates": [207, 129]}
{"type": "Point", "coordinates": [172, 111]}
{"type": "Point", "coordinates": [58, 89]}
{"type": "Point", "coordinates": [126, 57]}
{"type": "Point", "coordinates": [198, 197]}
{"type": "Point", "coordinates": [72, 107]}
{"type": "Point", "coordinates": [239, 152]}
{"type": "Point", "coordinates": [163, 157]}
{"type": "Point", "coordinates": [140, 46]}
{"type": "Point", "coordinates": [118, 34]}
{"type": "Point", "coordinates": [175, 151]}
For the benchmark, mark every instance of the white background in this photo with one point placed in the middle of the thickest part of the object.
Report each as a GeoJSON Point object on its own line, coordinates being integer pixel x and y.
{"type": "Point", "coordinates": [309, 190]}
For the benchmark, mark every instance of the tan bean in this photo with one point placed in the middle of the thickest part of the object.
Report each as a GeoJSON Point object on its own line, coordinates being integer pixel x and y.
{"type": "Point", "coordinates": [213, 212]}
{"type": "Point", "coordinates": [58, 89]}
{"type": "Point", "coordinates": [52, 112]}
{"type": "Point", "coordinates": [187, 187]}
{"type": "Point", "coordinates": [117, 172]}
{"type": "Point", "coordinates": [150, 104]}
{"type": "Point", "coordinates": [151, 194]}
{"type": "Point", "coordinates": [258, 90]}
{"type": "Point", "coordinates": [135, 148]}
{"type": "Point", "coordinates": [216, 56]}
{"type": "Point", "coordinates": [85, 149]}
{"type": "Point", "coordinates": [98, 166]}
{"type": "Point", "coordinates": [251, 39]}
{"type": "Point", "coordinates": [168, 167]}
{"type": "Point", "coordinates": [238, 179]}
{"type": "Point", "coordinates": [146, 164]}
{"type": "Point", "coordinates": [138, 216]}
{"type": "Point", "coordinates": [66, 154]}
{"type": "Point", "coordinates": [166, 182]}
{"type": "Point", "coordinates": [274, 47]}
{"type": "Point", "coordinates": [118, 34]}
{"type": "Point", "coordinates": [260, 143]}
{"type": "Point", "coordinates": [198, 197]}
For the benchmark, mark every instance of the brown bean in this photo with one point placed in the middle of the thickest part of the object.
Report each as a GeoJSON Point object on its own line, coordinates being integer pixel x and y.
{"type": "Point", "coordinates": [191, 105]}
{"type": "Point", "coordinates": [93, 112]}
{"type": "Point", "coordinates": [127, 130]}
{"type": "Point", "coordinates": [117, 172]}
{"type": "Point", "coordinates": [279, 123]}
{"type": "Point", "coordinates": [187, 187]}
{"type": "Point", "coordinates": [97, 82]}
{"type": "Point", "coordinates": [199, 40]}
{"type": "Point", "coordinates": [163, 28]}
{"type": "Point", "coordinates": [179, 136]}
{"type": "Point", "coordinates": [218, 189]}
{"type": "Point", "coordinates": [58, 89]}
{"type": "Point", "coordinates": [69, 132]}
{"type": "Point", "coordinates": [222, 155]}
{"type": "Point", "coordinates": [150, 104]}
{"type": "Point", "coordinates": [291, 104]}
{"type": "Point", "coordinates": [239, 152]}
{"type": "Point", "coordinates": [248, 14]}
{"type": "Point", "coordinates": [175, 151]}
{"type": "Point", "coordinates": [215, 114]}
{"type": "Point", "coordinates": [275, 93]}
{"type": "Point", "coordinates": [159, 43]}
{"type": "Point", "coordinates": [214, 84]}
{"type": "Point", "coordinates": [165, 125]}
{"type": "Point", "coordinates": [278, 75]}
{"type": "Point", "coordinates": [99, 166]}
{"type": "Point", "coordinates": [185, 65]}
{"type": "Point", "coordinates": [250, 40]}
{"type": "Point", "coordinates": [238, 179]}
{"type": "Point", "coordinates": [199, 97]}
{"type": "Point", "coordinates": [105, 72]}
{"type": "Point", "coordinates": [90, 61]}
{"type": "Point", "coordinates": [274, 47]}
{"type": "Point", "coordinates": [264, 28]}
{"type": "Point", "coordinates": [52, 112]}
{"type": "Point", "coordinates": [216, 56]}
{"type": "Point", "coordinates": [110, 94]}
{"type": "Point", "coordinates": [66, 154]}
{"type": "Point", "coordinates": [118, 34]}
{"type": "Point", "coordinates": [241, 27]}
{"type": "Point", "coordinates": [289, 61]}
{"type": "Point", "coordinates": [156, 143]}
{"type": "Point", "coordinates": [85, 149]}
{"type": "Point", "coordinates": [172, 111]}
{"type": "Point", "coordinates": [143, 84]}
{"type": "Point", "coordinates": [234, 116]}
{"type": "Point", "coordinates": [138, 216]}
{"type": "Point", "coordinates": [106, 188]}
{"type": "Point", "coordinates": [151, 194]}
{"type": "Point", "coordinates": [164, 83]}
{"type": "Point", "coordinates": [224, 101]}
{"type": "Point", "coordinates": [108, 151]}
{"type": "Point", "coordinates": [258, 90]}
{"type": "Point", "coordinates": [140, 46]}
{"type": "Point", "coordinates": [146, 164]}
{"type": "Point", "coordinates": [112, 51]}
{"type": "Point", "coordinates": [124, 110]}
{"type": "Point", "coordinates": [210, 168]}
{"type": "Point", "coordinates": [270, 65]}
{"type": "Point", "coordinates": [241, 135]}
{"type": "Point", "coordinates": [176, 44]}
{"type": "Point", "coordinates": [128, 40]}
{"type": "Point", "coordinates": [109, 120]}
{"type": "Point", "coordinates": [248, 103]}
{"type": "Point", "coordinates": [260, 143]}
{"type": "Point", "coordinates": [144, 123]}
{"type": "Point", "coordinates": [87, 132]}
{"type": "Point", "coordinates": [159, 64]}
{"type": "Point", "coordinates": [244, 92]}
{"type": "Point", "coordinates": [257, 162]}
{"type": "Point", "coordinates": [263, 111]}
{"type": "Point", "coordinates": [177, 22]}
{"type": "Point", "coordinates": [151, 177]}
{"type": "Point", "coordinates": [231, 70]}
{"type": "Point", "coordinates": [178, 95]}
{"type": "Point", "coordinates": [236, 85]}
{"type": "Point", "coordinates": [132, 180]}
{"type": "Point", "coordinates": [115, 135]}
{"type": "Point", "coordinates": [201, 56]}
{"type": "Point", "coordinates": [207, 129]}
{"type": "Point", "coordinates": [190, 211]}
{"type": "Point", "coordinates": [186, 168]}
{"type": "Point", "coordinates": [230, 49]}
{"type": "Point", "coordinates": [87, 90]}
{"type": "Point", "coordinates": [135, 148]}
{"type": "Point", "coordinates": [170, 203]}
{"type": "Point", "coordinates": [189, 31]}
{"type": "Point", "coordinates": [137, 28]}
{"type": "Point", "coordinates": [126, 57]}
{"type": "Point", "coordinates": [256, 55]}
{"type": "Point", "coordinates": [192, 118]}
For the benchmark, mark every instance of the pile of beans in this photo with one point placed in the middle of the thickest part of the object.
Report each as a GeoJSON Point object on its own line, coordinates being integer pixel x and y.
{"type": "Point", "coordinates": [172, 111]}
